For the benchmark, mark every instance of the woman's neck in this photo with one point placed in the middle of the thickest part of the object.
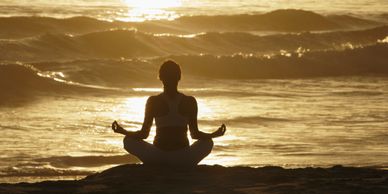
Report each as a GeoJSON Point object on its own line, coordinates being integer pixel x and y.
{"type": "Point", "coordinates": [170, 91]}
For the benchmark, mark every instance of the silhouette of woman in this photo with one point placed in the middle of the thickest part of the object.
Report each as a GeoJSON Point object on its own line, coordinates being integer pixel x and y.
{"type": "Point", "coordinates": [173, 112]}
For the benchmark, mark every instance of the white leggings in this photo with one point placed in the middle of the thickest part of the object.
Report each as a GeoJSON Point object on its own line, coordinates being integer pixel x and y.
{"type": "Point", "coordinates": [149, 154]}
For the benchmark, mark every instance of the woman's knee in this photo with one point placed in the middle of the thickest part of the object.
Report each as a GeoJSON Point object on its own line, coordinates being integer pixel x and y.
{"type": "Point", "coordinates": [208, 143]}
{"type": "Point", "coordinates": [199, 150]}
{"type": "Point", "coordinates": [129, 143]}
{"type": "Point", "coordinates": [204, 145]}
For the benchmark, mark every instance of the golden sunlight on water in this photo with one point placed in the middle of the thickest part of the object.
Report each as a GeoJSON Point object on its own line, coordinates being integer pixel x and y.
{"type": "Point", "coordinates": [135, 109]}
{"type": "Point", "coordinates": [294, 123]}
{"type": "Point", "coordinates": [153, 3]}
{"type": "Point", "coordinates": [149, 10]}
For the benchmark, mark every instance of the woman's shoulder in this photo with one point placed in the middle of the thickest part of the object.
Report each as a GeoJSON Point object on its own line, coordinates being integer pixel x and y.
{"type": "Point", "coordinates": [188, 99]}
{"type": "Point", "coordinates": [154, 98]}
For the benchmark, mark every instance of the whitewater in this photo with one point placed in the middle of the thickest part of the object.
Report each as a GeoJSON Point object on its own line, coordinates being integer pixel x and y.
{"type": "Point", "coordinates": [297, 86]}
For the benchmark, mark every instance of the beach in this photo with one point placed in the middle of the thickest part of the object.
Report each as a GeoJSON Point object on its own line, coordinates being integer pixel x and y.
{"type": "Point", "coordinates": [216, 179]}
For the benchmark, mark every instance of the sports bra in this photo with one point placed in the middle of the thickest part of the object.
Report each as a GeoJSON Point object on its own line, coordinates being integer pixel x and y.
{"type": "Point", "coordinates": [173, 117]}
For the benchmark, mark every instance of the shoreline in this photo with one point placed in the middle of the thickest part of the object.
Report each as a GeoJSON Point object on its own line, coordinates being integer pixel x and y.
{"type": "Point", "coordinates": [135, 178]}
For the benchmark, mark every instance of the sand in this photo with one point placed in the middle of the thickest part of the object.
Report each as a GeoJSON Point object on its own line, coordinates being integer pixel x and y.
{"type": "Point", "coordinates": [132, 178]}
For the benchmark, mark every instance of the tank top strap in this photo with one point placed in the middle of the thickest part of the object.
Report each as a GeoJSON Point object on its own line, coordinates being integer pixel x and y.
{"type": "Point", "coordinates": [173, 117]}
{"type": "Point", "coordinates": [173, 103]}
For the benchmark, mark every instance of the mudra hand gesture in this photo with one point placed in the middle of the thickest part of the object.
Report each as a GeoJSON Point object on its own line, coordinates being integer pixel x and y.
{"type": "Point", "coordinates": [117, 128]}
{"type": "Point", "coordinates": [220, 131]}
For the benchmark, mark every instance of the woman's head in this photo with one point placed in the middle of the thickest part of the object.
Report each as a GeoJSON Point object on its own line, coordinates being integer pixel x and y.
{"type": "Point", "coordinates": [170, 72]}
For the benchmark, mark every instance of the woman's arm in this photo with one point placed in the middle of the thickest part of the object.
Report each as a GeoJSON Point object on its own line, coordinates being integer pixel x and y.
{"type": "Point", "coordinates": [147, 123]}
{"type": "Point", "coordinates": [193, 124]}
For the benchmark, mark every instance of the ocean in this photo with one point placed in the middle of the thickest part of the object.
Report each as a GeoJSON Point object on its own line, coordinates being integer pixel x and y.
{"type": "Point", "coordinates": [297, 83]}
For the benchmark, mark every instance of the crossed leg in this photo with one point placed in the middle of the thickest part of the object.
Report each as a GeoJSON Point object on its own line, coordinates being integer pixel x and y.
{"type": "Point", "coordinates": [149, 154]}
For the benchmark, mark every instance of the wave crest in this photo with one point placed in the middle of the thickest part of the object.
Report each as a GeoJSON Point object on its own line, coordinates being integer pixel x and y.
{"type": "Point", "coordinates": [21, 83]}
{"type": "Point", "coordinates": [132, 44]}
{"type": "Point", "coordinates": [279, 20]}
{"type": "Point", "coordinates": [369, 60]}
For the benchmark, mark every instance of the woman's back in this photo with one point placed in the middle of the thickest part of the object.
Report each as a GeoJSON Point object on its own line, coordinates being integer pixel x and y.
{"type": "Point", "coordinates": [171, 115]}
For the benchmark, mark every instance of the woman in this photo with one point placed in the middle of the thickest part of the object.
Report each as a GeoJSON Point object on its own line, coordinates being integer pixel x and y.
{"type": "Point", "coordinates": [173, 112]}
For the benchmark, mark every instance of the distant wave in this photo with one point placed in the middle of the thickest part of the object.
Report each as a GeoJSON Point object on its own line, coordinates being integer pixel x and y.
{"type": "Point", "coordinates": [18, 27]}
{"type": "Point", "coordinates": [279, 20]}
{"type": "Point", "coordinates": [357, 93]}
{"type": "Point", "coordinates": [132, 44]}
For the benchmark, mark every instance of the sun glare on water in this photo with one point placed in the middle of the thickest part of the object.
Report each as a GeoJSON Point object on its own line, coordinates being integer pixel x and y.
{"type": "Point", "coordinates": [158, 4]}
{"type": "Point", "coordinates": [142, 10]}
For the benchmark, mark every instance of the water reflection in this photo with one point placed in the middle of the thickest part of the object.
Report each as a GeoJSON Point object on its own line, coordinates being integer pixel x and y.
{"type": "Point", "coordinates": [143, 14]}
{"type": "Point", "coordinates": [139, 11]}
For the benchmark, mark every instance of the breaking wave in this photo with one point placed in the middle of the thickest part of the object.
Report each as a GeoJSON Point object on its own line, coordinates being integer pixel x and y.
{"type": "Point", "coordinates": [368, 60]}
{"type": "Point", "coordinates": [133, 44]}
{"type": "Point", "coordinates": [109, 74]}
{"type": "Point", "coordinates": [39, 56]}
{"type": "Point", "coordinates": [21, 82]}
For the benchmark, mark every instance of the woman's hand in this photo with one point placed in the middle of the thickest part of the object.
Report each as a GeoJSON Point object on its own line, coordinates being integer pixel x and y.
{"type": "Point", "coordinates": [117, 128]}
{"type": "Point", "coordinates": [220, 131]}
